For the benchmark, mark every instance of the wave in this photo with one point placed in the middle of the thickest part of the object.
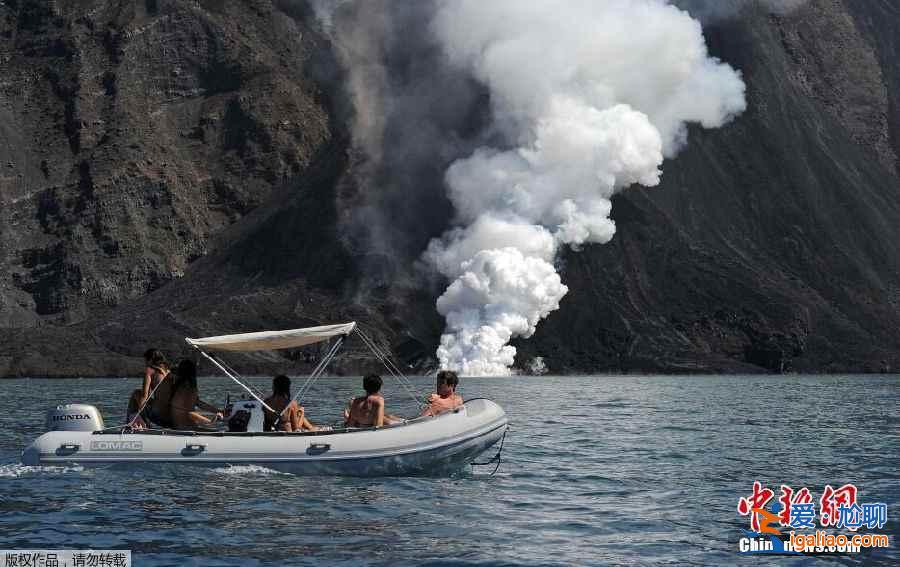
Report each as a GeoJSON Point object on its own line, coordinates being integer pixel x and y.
{"type": "Point", "coordinates": [15, 470]}
{"type": "Point", "coordinates": [247, 470]}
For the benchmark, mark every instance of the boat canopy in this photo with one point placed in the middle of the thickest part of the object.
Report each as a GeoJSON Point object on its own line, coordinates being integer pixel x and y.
{"type": "Point", "coordinates": [273, 340]}
{"type": "Point", "coordinates": [292, 338]}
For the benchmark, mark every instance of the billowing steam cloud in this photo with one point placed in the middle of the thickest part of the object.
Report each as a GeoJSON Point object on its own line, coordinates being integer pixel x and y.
{"type": "Point", "coordinates": [405, 133]}
{"type": "Point", "coordinates": [590, 96]}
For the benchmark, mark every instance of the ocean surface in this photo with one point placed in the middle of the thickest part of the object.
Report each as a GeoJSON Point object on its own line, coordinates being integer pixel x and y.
{"type": "Point", "coordinates": [596, 470]}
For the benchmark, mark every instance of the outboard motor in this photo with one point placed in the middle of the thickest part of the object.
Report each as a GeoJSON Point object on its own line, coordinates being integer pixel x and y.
{"type": "Point", "coordinates": [74, 417]}
{"type": "Point", "coordinates": [245, 415]}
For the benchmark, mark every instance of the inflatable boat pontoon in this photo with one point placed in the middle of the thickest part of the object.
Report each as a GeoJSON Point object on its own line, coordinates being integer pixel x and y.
{"type": "Point", "coordinates": [423, 445]}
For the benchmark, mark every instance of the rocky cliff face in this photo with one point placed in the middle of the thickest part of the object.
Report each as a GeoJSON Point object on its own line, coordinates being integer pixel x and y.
{"type": "Point", "coordinates": [178, 168]}
{"type": "Point", "coordinates": [772, 243]}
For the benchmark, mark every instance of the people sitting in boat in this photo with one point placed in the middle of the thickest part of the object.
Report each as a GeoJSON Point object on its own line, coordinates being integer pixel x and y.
{"type": "Point", "coordinates": [368, 410]}
{"type": "Point", "coordinates": [186, 399]}
{"type": "Point", "coordinates": [290, 419]}
{"type": "Point", "coordinates": [156, 410]}
{"type": "Point", "coordinates": [134, 406]}
{"type": "Point", "coordinates": [159, 409]}
{"type": "Point", "coordinates": [155, 370]}
{"type": "Point", "coordinates": [153, 359]}
{"type": "Point", "coordinates": [445, 397]}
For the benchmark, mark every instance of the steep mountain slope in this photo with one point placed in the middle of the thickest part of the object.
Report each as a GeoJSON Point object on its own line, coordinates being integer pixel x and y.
{"type": "Point", "coordinates": [772, 242]}
{"type": "Point", "coordinates": [180, 168]}
{"type": "Point", "coordinates": [134, 135]}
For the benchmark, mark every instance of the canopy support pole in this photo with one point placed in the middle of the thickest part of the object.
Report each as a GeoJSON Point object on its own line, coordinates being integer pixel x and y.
{"type": "Point", "coordinates": [241, 384]}
{"type": "Point", "coordinates": [238, 376]}
{"type": "Point", "coordinates": [318, 370]}
{"type": "Point", "coordinates": [389, 365]}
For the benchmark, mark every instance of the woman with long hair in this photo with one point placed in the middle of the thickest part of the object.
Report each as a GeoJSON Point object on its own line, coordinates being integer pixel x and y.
{"type": "Point", "coordinates": [292, 419]}
{"type": "Point", "coordinates": [186, 399]}
{"type": "Point", "coordinates": [156, 368]}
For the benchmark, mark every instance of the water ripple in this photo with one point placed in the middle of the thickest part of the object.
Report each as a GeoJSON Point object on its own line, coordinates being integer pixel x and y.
{"type": "Point", "coordinates": [596, 470]}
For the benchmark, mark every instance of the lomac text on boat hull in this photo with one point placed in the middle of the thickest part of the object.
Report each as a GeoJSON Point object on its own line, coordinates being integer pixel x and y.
{"type": "Point", "coordinates": [424, 445]}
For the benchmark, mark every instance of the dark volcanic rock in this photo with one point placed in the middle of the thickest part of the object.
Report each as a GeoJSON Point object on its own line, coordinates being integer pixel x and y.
{"type": "Point", "coordinates": [136, 133]}
{"type": "Point", "coordinates": [771, 243]}
{"type": "Point", "coordinates": [172, 169]}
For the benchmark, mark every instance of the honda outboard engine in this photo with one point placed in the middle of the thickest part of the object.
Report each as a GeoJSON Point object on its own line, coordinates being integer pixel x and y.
{"type": "Point", "coordinates": [74, 417]}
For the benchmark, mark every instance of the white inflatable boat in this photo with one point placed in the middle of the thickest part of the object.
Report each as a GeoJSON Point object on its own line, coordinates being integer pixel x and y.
{"type": "Point", "coordinates": [423, 445]}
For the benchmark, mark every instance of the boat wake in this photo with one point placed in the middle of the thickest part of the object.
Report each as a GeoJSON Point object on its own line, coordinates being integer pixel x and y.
{"type": "Point", "coordinates": [16, 470]}
{"type": "Point", "coordinates": [247, 470]}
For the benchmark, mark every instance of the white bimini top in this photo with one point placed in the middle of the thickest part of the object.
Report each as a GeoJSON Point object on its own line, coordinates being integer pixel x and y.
{"type": "Point", "coordinates": [272, 340]}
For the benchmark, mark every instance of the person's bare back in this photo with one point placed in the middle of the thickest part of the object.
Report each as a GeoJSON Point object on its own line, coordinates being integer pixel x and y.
{"type": "Point", "coordinates": [182, 409]}
{"type": "Point", "coordinates": [289, 415]}
{"type": "Point", "coordinates": [368, 410]}
{"type": "Point", "coordinates": [364, 411]}
{"type": "Point", "coordinates": [186, 398]}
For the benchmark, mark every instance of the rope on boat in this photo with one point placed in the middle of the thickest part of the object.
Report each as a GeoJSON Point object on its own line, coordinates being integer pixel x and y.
{"type": "Point", "coordinates": [130, 424]}
{"type": "Point", "coordinates": [229, 368]}
{"type": "Point", "coordinates": [496, 458]}
{"type": "Point", "coordinates": [381, 355]}
{"type": "Point", "coordinates": [317, 371]}
{"type": "Point", "coordinates": [215, 361]}
{"type": "Point", "coordinates": [389, 365]}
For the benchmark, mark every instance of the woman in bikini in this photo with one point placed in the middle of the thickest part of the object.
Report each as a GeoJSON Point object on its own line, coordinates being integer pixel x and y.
{"type": "Point", "coordinates": [186, 398]}
{"type": "Point", "coordinates": [155, 371]}
{"type": "Point", "coordinates": [291, 420]}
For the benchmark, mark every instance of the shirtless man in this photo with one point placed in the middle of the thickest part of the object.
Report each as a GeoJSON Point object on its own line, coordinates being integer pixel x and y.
{"type": "Point", "coordinates": [368, 410]}
{"type": "Point", "coordinates": [445, 398]}
{"type": "Point", "coordinates": [291, 420]}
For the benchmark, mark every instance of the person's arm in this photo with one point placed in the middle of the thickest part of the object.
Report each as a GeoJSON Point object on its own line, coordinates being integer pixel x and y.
{"type": "Point", "coordinates": [198, 419]}
{"type": "Point", "coordinates": [145, 387]}
{"type": "Point", "coordinates": [379, 413]}
{"type": "Point", "coordinates": [208, 407]}
{"type": "Point", "coordinates": [429, 408]}
{"type": "Point", "coordinates": [306, 424]}
{"type": "Point", "coordinates": [296, 417]}
{"type": "Point", "coordinates": [134, 402]}
{"type": "Point", "coordinates": [348, 412]}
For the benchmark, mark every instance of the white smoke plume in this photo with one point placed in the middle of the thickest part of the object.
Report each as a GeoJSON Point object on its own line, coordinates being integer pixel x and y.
{"type": "Point", "coordinates": [591, 97]}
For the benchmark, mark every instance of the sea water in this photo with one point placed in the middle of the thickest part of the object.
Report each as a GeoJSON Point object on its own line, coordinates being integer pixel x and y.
{"type": "Point", "coordinates": [595, 470]}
